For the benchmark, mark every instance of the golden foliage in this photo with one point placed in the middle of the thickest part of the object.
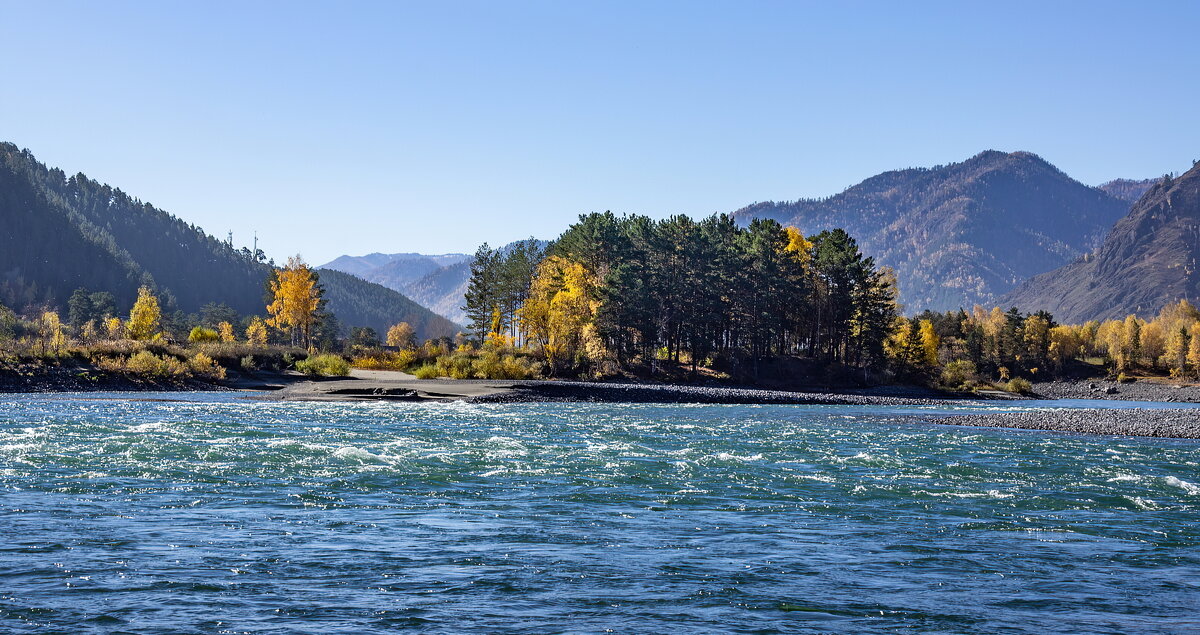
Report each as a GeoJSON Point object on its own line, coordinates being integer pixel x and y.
{"type": "Point", "coordinates": [559, 311]}
{"type": "Point", "coordinates": [401, 335]}
{"type": "Point", "coordinates": [114, 329]}
{"type": "Point", "coordinates": [256, 332]}
{"type": "Point", "coordinates": [225, 331]}
{"type": "Point", "coordinates": [145, 317]}
{"type": "Point", "coordinates": [295, 300]}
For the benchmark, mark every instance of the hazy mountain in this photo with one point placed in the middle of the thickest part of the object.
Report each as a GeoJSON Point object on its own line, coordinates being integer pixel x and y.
{"type": "Point", "coordinates": [59, 233]}
{"type": "Point", "coordinates": [1148, 260]}
{"type": "Point", "coordinates": [393, 270]}
{"type": "Point", "coordinates": [437, 282]}
{"type": "Point", "coordinates": [1127, 189]}
{"type": "Point", "coordinates": [442, 290]}
{"type": "Point", "coordinates": [357, 302]}
{"type": "Point", "coordinates": [964, 233]}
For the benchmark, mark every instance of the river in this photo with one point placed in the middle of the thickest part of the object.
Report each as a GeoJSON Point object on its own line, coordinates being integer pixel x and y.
{"type": "Point", "coordinates": [206, 512]}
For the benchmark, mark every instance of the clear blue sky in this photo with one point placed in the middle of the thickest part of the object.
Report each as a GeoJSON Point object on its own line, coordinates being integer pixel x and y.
{"type": "Point", "coordinates": [355, 127]}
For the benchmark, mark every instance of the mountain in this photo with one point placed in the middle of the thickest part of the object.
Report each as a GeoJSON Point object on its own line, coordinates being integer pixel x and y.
{"type": "Point", "coordinates": [443, 290]}
{"type": "Point", "coordinates": [1148, 259]}
{"type": "Point", "coordinates": [357, 302]}
{"type": "Point", "coordinates": [63, 232]}
{"type": "Point", "coordinates": [964, 233]}
{"type": "Point", "coordinates": [437, 282]}
{"type": "Point", "coordinates": [1127, 189]}
{"type": "Point", "coordinates": [393, 269]}
{"type": "Point", "coordinates": [60, 233]}
{"type": "Point", "coordinates": [407, 268]}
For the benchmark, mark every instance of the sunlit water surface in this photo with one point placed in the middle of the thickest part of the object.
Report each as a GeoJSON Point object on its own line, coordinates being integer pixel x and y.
{"type": "Point", "coordinates": [220, 514]}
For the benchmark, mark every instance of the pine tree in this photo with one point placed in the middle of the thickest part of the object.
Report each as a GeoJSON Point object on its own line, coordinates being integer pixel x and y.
{"type": "Point", "coordinates": [483, 293]}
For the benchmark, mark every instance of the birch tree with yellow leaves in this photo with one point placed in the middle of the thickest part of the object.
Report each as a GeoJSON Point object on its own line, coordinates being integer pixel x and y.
{"type": "Point", "coordinates": [559, 314]}
{"type": "Point", "coordinates": [145, 317]}
{"type": "Point", "coordinates": [296, 299]}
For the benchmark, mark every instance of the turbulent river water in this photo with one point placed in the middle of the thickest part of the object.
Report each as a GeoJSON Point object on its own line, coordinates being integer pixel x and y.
{"type": "Point", "coordinates": [211, 513]}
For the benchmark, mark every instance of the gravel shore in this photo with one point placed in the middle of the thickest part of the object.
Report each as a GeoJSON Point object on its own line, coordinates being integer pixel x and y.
{"type": "Point", "coordinates": [1181, 423]}
{"type": "Point", "coordinates": [519, 392]}
{"type": "Point", "coordinates": [1135, 391]}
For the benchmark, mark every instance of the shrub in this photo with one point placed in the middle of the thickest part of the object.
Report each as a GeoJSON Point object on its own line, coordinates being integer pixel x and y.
{"type": "Point", "coordinates": [958, 373]}
{"type": "Point", "coordinates": [458, 366]}
{"type": "Point", "coordinates": [150, 365]}
{"type": "Point", "coordinates": [248, 365]}
{"type": "Point", "coordinates": [201, 334]}
{"type": "Point", "coordinates": [400, 360]}
{"type": "Point", "coordinates": [428, 371]}
{"type": "Point", "coordinates": [326, 365]}
{"type": "Point", "coordinates": [1018, 385]}
{"type": "Point", "coordinates": [493, 365]}
{"type": "Point", "coordinates": [1124, 379]}
{"type": "Point", "coordinates": [204, 366]}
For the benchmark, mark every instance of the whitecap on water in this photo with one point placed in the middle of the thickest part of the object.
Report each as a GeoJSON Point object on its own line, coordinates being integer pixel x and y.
{"type": "Point", "coordinates": [1190, 488]}
{"type": "Point", "coordinates": [357, 454]}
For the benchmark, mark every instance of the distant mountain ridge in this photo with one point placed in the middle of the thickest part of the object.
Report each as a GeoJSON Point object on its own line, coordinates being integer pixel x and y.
{"type": "Point", "coordinates": [402, 266]}
{"type": "Point", "coordinates": [437, 282]}
{"type": "Point", "coordinates": [60, 233]}
{"type": "Point", "coordinates": [1127, 189]}
{"type": "Point", "coordinates": [1148, 260]}
{"type": "Point", "coordinates": [964, 233]}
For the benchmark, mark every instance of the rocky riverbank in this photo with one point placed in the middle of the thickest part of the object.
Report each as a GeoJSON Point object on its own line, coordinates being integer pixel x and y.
{"type": "Point", "coordinates": [1144, 390]}
{"type": "Point", "coordinates": [1182, 423]}
{"type": "Point", "coordinates": [669, 393]}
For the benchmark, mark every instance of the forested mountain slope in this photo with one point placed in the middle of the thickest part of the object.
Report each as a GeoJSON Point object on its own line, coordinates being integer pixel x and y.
{"type": "Point", "coordinates": [59, 233]}
{"type": "Point", "coordinates": [69, 232]}
{"type": "Point", "coordinates": [965, 233]}
{"type": "Point", "coordinates": [1148, 260]}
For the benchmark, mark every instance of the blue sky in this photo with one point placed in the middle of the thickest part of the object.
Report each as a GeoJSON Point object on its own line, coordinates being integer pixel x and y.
{"type": "Point", "coordinates": [354, 127]}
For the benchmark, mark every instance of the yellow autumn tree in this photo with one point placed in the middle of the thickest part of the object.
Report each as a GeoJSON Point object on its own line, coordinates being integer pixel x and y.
{"type": "Point", "coordinates": [1175, 356]}
{"type": "Point", "coordinates": [930, 342]}
{"type": "Point", "coordinates": [113, 328]}
{"type": "Point", "coordinates": [1193, 353]}
{"type": "Point", "coordinates": [144, 317]}
{"type": "Point", "coordinates": [558, 314]}
{"type": "Point", "coordinates": [401, 335]}
{"type": "Point", "coordinates": [225, 332]}
{"type": "Point", "coordinates": [256, 332]}
{"type": "Point", "coordinates": [295, 301]}
{"type": "Point", "coordinates": [1065, 344]}
{"type": "Point", "coordinates": [1131, 342]}
{"type": "Point", "coordinates": [798, 246]}
{"type": "Point", "coordinates": [50, 329]}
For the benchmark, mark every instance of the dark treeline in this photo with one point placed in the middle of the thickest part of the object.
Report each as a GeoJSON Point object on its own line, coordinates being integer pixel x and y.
{"type": "Point", "coordinates": [628, 293]}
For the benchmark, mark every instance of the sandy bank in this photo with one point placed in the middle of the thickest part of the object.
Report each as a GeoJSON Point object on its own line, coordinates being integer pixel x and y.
{"type": "Point", "coordinates": [396, 386]}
